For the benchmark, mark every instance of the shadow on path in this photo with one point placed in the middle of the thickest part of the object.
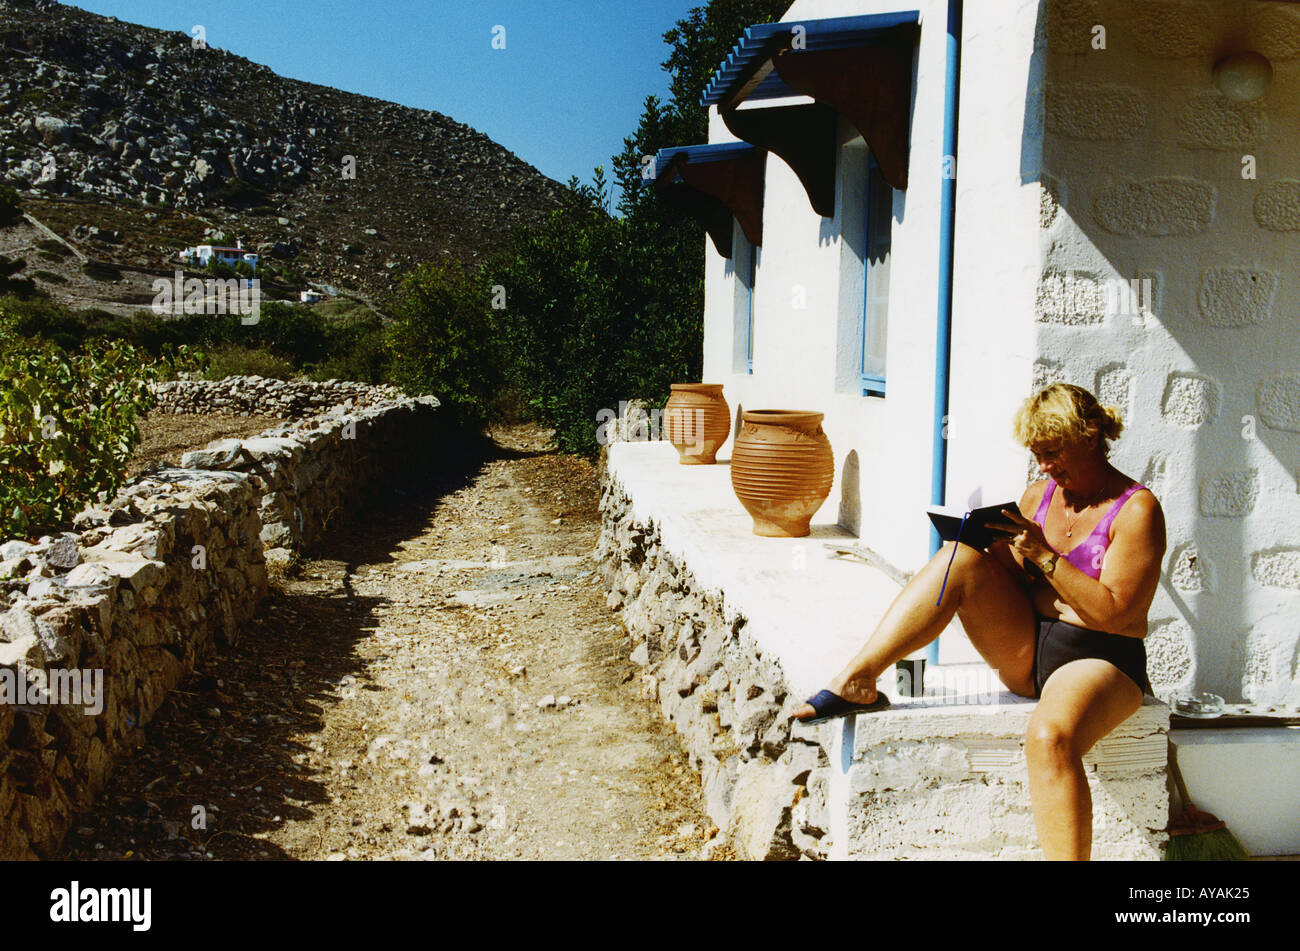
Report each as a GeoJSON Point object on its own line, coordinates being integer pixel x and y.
{"type": "Point", "coordinates": [219, 765]}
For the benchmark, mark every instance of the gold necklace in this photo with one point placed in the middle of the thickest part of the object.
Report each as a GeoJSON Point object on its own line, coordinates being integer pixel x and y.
{"type": "Point", "coordinates": [1071, 522]}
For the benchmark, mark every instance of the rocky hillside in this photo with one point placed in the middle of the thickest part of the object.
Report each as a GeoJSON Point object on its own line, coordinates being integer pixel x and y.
{"type": "Point", "coordinates": [120, 128]}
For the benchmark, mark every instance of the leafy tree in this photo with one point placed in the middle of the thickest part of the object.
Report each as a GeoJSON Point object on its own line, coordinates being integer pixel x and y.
{"type": "Point", "coordinates": [564, 328]}
{"type": "Point", "coordinates": [441, 343]}
{"type": "Point", "coordinates": [605, 309]}
{"type": "Point", "coordinates": [698, 44]}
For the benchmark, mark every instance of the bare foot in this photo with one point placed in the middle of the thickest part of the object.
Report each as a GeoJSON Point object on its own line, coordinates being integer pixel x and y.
{"type": "Point", "coordinates": [858, 689]}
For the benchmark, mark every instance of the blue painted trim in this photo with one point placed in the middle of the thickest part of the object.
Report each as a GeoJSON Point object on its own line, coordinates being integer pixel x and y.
{"type": "Point", "coordinates": [873, 385]}
{"type": "Point", "coordinates": [757, 42]}
{"type": "Point", "coordinates": [947, 234]}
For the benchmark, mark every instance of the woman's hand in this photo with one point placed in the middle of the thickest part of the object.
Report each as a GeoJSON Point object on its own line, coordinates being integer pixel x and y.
{"type": "Point", "coordinates": [1025, 537]}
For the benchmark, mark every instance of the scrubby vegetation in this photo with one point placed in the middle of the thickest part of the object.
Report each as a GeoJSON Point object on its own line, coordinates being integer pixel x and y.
{"type": "Point", "coordinates": [287, 340]}
{"type": "Point", "coordinates": [11, 211]}
{"type": "Point", "coordinates": [441, 341]}
{"type": "Point", "coordinates": [606, 304]}
{"type": "Point", "coordinates": [599, 304]}
{"type": "Point", "coordinates": [67, 425]}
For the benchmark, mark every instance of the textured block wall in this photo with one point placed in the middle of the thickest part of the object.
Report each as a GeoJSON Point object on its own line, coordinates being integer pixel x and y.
{"type": "Point", "coordinates": [1148, 173]}
{"type": "Point", "coordinates": [952, 783]}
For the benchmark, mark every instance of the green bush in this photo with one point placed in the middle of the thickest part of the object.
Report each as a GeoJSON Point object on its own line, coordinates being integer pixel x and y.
{"type": "Point", "coordinates": [441, 342]}
{"type": "Point", "coordinates": [244, 361]}
{"type": "Point", "coordinates": [288, 339]}
{"type": "Point", "coordinates": [67, 428]}
{"type": "Point", "coordinates": [220, 269]}
{"type": "Point", "coordinates": [101, 271]}
{"type": "Point", "coordinates": [584, 329]}
{"type": "Point", "coordinates": [11, 211]}
{"type": "Point", "coordinates": [49, 277]}
{"type": "Point", "coordinates": [9, 284]}
{"type": "Point", "coordinates": [354, 346]}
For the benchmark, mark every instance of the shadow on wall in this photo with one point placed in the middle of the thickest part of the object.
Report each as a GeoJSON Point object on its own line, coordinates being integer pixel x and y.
{"type": "Point", "coordinates": [850, 515]}
{"type": "Point", "coordinates": [1166, 287]}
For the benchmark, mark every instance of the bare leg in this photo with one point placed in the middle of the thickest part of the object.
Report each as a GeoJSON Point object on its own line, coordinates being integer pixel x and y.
{"type": "Point", "coordinates": [994, 609]}
{"type": "Point", "coordinates": [1081, 703]}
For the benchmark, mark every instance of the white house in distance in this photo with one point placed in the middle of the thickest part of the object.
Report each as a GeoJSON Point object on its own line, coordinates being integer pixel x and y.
{"type": "Point", "coordinates": [204, 253]}
{"type": "Point", "coordinates": [953, 204]}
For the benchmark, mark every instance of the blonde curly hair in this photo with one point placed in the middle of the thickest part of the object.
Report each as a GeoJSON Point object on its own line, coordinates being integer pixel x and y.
{"type": "Point", "coordinates": [1065, 413]}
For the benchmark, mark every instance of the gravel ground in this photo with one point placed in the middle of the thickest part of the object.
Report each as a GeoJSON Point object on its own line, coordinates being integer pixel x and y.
{"type": "Point", "coordinates": [441, 681]}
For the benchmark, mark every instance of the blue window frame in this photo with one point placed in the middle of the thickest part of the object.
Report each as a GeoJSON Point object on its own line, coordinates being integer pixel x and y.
{"type": "Point", "coordinates": [879, 219]}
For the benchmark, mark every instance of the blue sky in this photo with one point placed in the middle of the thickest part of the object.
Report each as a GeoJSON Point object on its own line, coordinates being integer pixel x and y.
{"type": "Point", "coordinates": [562, 94]}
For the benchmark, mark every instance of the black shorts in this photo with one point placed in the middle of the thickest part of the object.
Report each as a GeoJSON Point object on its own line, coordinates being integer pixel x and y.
{"type": "Point", "coordinates": [1060, 642]}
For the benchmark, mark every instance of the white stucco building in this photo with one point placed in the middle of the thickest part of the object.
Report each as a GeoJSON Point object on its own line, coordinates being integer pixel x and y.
{"type": "Point", "coordinates": [1110, 217]}
{"type": "Point", "coordinates": [204, 253]}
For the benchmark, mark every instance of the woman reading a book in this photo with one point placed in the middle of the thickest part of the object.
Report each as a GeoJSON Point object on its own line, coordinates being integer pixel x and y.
{"type": "Point", "coordinates": [1057, 606]}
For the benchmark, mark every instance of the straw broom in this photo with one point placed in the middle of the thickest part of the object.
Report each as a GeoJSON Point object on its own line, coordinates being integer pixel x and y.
{"type": "Point", "coordinates": [1197, 836]}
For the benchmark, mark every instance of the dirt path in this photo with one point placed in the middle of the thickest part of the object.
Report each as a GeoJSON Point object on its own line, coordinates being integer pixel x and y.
{"type": "Point", "coordinates": [444, 681]}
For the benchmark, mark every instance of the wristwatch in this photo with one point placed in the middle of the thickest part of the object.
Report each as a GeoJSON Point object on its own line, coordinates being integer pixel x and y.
{"type": "Point", "coordinates": [1048, 565]}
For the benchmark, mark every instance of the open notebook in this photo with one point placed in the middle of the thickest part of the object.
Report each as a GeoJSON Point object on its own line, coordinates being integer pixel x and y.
{"type": "Point", "coordinates": [971, 526]}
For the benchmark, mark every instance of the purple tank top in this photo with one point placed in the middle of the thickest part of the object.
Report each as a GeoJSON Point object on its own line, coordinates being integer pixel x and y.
{"type": "Point", "coordinates": [1087, 555]}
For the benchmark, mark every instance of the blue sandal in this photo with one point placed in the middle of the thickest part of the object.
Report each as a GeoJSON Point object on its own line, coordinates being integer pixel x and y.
{"type": "Point", "coordinates": [831, 706]}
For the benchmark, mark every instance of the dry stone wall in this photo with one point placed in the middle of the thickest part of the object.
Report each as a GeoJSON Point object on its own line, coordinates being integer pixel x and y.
{"type": "Point", "coordinates": [139, 592]}
{"type": "Point", "coordinates": [765, 788]}
{"type": "Point", "coordinates": [309, 474]}
{"type": "Point", "coordinates": [250, 395]}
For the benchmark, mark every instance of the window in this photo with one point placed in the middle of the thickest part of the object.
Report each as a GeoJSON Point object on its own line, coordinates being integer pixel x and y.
{"type": "Point", "coordinates": [753, 273]}
{"type": "Point", "coordinates": [879, 219]}
{"type": "Point", "coordinates": [745, 263]}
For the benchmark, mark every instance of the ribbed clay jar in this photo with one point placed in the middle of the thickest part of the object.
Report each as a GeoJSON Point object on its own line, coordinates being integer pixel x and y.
{"type": "Point", "coordinates": [782, 469]}
{"type": "Point", "coordinates": [697, 422]}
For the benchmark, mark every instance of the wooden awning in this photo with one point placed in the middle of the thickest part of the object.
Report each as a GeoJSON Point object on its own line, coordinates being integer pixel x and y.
{"type": "Point", "coordinates": [713, 184]}
{"type": "Point", "coordinates": [857, 67]}
{"type": "Point", "coordinates": [804, 136]}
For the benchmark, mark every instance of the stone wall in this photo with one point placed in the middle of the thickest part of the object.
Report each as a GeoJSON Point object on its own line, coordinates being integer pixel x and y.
{"type": "Point", "coordinates": [146, 583]}
{"type": "Point", "coordinates": [308, 473]}
{"type": "Point", "coordinates": [926, 779]}
{"type": "Point", "coordinates": [256, 395]}
{"type": "Point", "coordinates": [765, 789]}
{"type": "Point", "coordinates": [120, 595]}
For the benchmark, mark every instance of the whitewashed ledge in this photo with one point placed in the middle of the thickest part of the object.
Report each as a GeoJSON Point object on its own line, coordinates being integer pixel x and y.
{"type": "Point", "coordinates": [731, 629]}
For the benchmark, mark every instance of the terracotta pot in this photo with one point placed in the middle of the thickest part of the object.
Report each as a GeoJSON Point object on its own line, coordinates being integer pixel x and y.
{"type": "Point", "coordinates": [697, 421]}
{"type": "Point", "coordinates": [782, 469]}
